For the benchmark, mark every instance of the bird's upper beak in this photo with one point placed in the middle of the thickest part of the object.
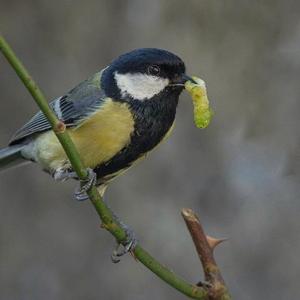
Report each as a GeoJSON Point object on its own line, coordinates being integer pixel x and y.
{"type": "Point", "coordinates": [186, 78]}
{"type": "Point", "coordinates": [181, 80]}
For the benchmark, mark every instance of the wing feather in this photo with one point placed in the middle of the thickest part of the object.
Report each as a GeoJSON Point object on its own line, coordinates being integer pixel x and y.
{"type": "Point", "coordinates": [71, 108]}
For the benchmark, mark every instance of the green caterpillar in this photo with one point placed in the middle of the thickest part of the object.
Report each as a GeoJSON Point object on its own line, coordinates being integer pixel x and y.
{"type": "Point", "coordinates": [202, 112]}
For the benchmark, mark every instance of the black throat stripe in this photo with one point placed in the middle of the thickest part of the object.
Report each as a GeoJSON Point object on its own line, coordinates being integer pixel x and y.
{"type": "Point", "coordinates": [153, 119]}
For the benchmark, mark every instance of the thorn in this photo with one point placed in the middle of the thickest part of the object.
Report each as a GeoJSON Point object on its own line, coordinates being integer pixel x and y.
{"type": "Point", "coordinates": [213, 242]}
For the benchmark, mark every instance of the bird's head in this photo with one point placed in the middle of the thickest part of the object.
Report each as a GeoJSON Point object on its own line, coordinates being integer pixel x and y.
{"type": "Point", "coordinates": [142, 74]}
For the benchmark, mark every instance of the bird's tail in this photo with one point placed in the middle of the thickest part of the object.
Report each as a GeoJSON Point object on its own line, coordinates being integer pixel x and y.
{"type": "Point", "coordinates": [11, 156]}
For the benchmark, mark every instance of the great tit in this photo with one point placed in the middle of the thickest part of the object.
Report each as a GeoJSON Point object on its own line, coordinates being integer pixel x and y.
{"type": "Point", "coordinates": [114, 118]}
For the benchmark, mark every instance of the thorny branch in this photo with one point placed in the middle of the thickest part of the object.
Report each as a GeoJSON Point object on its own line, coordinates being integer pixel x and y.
{"type": "Point", "coordinates": [205, 246]}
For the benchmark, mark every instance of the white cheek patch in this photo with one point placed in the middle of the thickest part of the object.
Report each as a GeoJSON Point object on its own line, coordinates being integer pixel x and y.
{"type": "Point", "coordinates": [140, 86]}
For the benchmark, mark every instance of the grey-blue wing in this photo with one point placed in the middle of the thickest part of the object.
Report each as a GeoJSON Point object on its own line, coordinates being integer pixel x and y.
{"type": "Point", "coordinates": [71, 108]}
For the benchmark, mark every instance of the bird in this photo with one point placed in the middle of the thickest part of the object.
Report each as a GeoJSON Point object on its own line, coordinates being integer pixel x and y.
{"type": "Point", "coordinates": [115, 118]}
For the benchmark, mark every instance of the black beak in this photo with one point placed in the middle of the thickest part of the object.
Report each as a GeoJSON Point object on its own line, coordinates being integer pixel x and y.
{"type": "Point", "coordinates": [182, 79]}
{"type": "Point", "coordinates": [186, 78]}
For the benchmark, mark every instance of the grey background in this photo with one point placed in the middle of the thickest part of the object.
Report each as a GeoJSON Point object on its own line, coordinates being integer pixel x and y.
{"type": "Point", "coordinates": [241, 174]}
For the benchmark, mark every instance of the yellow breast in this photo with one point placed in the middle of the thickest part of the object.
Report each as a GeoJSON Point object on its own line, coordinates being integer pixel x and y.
{"type": "Point", "coordinates": [98, 138]}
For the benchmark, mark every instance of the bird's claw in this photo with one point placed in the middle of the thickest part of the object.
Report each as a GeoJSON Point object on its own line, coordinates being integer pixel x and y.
{"type": "Point", "coordinates": [127, 246]}
{"type": "Point", "coordinates": [85, 185]}
{"type": "Point", "coordinates": [63, 174]}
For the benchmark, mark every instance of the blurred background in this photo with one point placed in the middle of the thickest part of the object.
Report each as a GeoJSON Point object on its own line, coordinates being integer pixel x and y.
{"type": "Point", "coordinates": [241, 174]}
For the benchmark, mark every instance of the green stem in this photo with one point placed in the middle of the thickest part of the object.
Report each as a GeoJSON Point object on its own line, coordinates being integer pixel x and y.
{"type": "Point", "coordinates": [103, 211]}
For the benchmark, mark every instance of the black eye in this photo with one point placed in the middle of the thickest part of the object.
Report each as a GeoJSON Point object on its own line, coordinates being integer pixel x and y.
{"type": "Point", "coordinates": [153, 70]}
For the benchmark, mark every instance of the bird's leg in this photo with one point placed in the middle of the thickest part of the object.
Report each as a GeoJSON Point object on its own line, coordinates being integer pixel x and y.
{"type": "Point", "coordinates": [85, 185]}
{"type": "Point", "coordinates": [65, 173]}
{"type": "Point", "coordinates": [129, 244]}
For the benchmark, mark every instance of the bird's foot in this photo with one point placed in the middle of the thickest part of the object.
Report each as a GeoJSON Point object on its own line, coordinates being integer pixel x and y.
{"type": "Point", "coordinates": [127, 246]}
{"type": "Point", "coordinates": [85, 185]}
{"type": "Point", "coordinates": [131, 239]}
{"type": "Point", "coordinates": [63, 174]}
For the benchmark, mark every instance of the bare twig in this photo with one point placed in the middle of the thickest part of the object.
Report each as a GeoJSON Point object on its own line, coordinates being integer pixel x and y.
{"type": "Point", "coordinates": [205, 245]}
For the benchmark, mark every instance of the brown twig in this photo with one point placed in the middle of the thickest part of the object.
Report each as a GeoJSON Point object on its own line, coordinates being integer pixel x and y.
{"type": "Point", "coordinates": [205, 245]}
